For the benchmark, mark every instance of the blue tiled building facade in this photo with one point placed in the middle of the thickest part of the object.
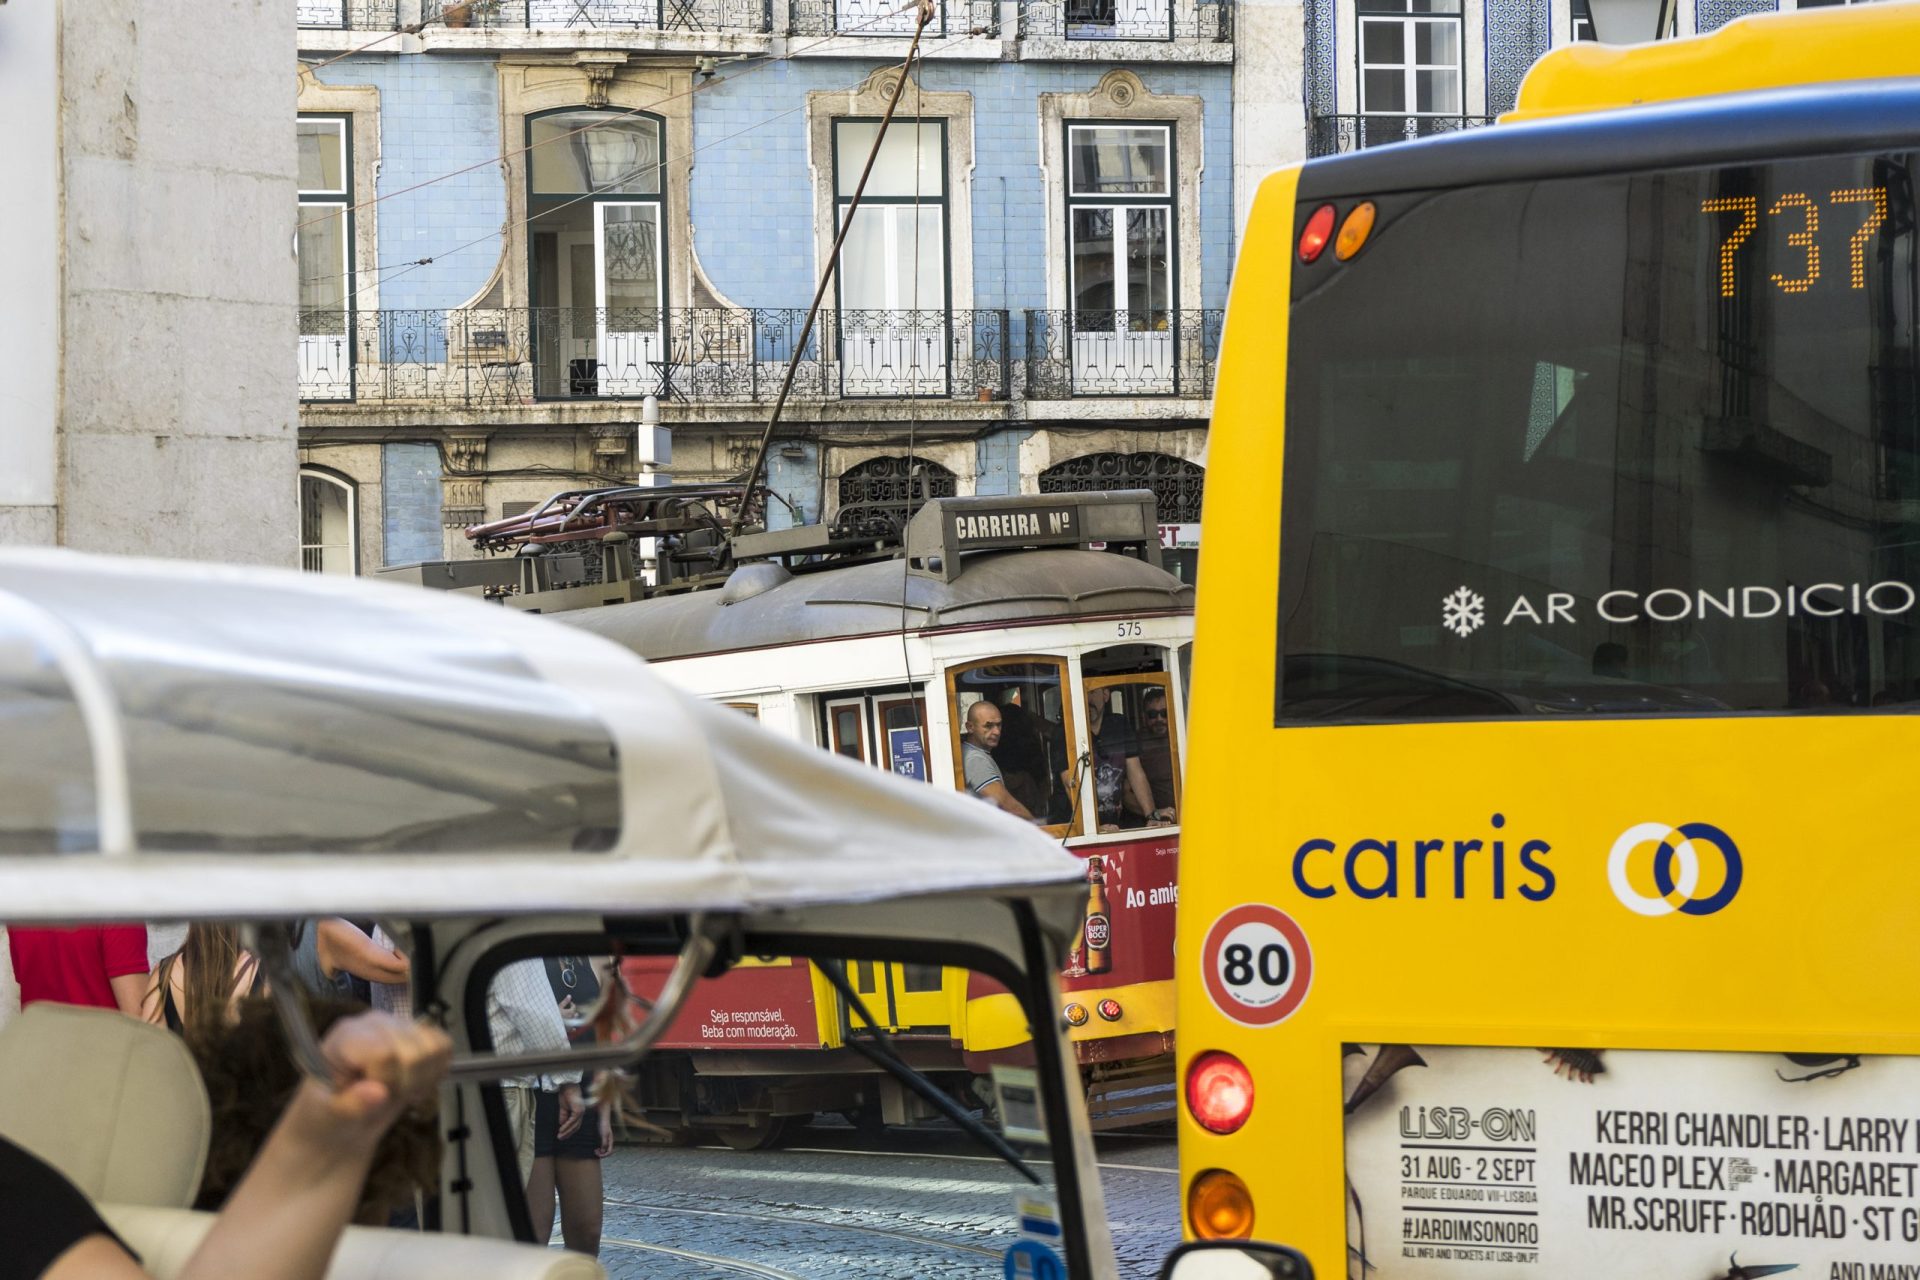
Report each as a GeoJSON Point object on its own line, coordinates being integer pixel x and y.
{"type": "Point", "coordinates": [529, 229]}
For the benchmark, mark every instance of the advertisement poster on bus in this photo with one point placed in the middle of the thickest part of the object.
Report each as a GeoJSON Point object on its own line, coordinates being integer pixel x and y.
{"type": "Point", "coordinates": [1594, 1164]}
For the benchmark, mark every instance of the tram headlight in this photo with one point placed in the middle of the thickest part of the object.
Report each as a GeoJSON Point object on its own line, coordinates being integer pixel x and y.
{"type": "Point", "coordinates": [1219, 1091]}
{"type": "Point", "coordinates": [1219, 1206]}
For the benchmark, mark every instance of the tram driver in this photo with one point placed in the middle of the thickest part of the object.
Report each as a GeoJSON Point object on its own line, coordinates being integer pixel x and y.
{"type": "Point", "coordinates": [976, 759]}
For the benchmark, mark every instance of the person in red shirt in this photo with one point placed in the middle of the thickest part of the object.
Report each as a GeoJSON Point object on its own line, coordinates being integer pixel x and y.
{"type": "Point", "coordinates": [104, 966]}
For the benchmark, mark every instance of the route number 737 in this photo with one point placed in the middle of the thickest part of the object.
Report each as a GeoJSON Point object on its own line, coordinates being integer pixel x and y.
{"type": "Point", "coordinates": [1799, 208]}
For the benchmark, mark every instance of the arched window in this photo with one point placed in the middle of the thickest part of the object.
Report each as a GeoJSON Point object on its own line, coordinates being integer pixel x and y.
{"type": "Point", "coordinates": [597, 236]}
{"type": "Point", "coordinates": [329, 522]}
{"type": "Point", "coordinates": [880, 495]}
{"type": "Point", "coordinates": [1176, 483]}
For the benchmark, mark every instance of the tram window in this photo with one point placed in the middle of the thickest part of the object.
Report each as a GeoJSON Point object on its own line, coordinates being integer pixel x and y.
{"type": "Point", "coordinates": [1133, 740]}
{"type": "Point", "coordinates": [1030, 753]}
{"type": "Point", "coordinates": [847, 728]}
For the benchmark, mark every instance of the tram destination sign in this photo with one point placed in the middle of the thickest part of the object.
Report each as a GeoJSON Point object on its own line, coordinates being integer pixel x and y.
{"type": "Point", "coordinates": [981, 530]}
{"type": "Point", "coordinates": [1593, 1164]}
{"type": "Point", "coordinates": [948, 528]}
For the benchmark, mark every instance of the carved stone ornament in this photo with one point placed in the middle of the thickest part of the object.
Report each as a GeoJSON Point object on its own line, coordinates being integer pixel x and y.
{"type": "Point", "coordinates": [463, 487]}
{"type": "Point", "coordinates": [599, 69]}
{"type": "Point", "coordinates": [1121, 88]}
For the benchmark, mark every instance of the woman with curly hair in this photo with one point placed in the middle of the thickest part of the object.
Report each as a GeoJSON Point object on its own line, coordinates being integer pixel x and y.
{"type": "Point", "coordinates": [250, 1076]}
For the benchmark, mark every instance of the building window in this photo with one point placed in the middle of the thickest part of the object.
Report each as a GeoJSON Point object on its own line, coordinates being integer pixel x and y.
{"type": "Point", "coordinates": [1410, 68]}
{"type": "Point", "coordinates": [1120, 258]}
{"type": "Point", "coordinates": [323, 241]}
{"type": "Point", "coordinates": [329, 506]}
{"type": "Point", "coordinates": [597, 243]}
{"type": "Point", "coordinates": [880, 495]}
{"type": "Point", "coordinates": [893, 267]}
{"type": "Point", "coordinates": [1582, 21]}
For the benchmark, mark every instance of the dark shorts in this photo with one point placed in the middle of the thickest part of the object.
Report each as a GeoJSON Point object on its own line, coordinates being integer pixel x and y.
{"type": "Point", "coordinates": [546, 1124]}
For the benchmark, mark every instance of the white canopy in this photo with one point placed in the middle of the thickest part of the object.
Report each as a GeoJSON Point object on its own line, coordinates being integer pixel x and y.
{"type": "Point", "coordinates": [187, 740]}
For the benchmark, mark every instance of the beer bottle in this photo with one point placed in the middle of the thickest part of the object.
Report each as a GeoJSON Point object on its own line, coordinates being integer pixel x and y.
{"type": "Point", "coordinates": [1099, 926]}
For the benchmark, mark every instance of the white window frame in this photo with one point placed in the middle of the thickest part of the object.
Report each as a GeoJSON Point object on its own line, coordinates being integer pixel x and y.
{"type": "Point", "coordinates": [623, 362]}
{"type": "Point", "coordinates": [352, 543]}
{"type": "Point", "coordinates": [1410, 69]}
{"type": "Point", "coordinates": [326, 362]}
{"type": "Point", "coordinates": [1123, 360]}
{"type": "Point", "coordinates": [880, 356]}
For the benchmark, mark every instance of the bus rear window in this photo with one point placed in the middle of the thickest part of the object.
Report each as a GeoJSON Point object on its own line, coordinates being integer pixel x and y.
{"type": "Point", "coordinates": [1631, 445]}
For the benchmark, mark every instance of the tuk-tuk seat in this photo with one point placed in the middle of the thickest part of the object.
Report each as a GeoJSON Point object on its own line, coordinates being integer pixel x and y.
{"type": "Point", "coordinates": [119, 1108]}
{"type": "Point", "coordinates": [166, 1238]}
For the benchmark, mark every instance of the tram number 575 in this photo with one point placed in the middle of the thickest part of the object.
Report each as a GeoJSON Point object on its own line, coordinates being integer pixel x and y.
{"type": "Point", "coordinates": [1131, 627]}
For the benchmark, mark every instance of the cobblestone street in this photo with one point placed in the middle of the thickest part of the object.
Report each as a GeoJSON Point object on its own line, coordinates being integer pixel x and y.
{"type": "Point", "coordinates": [923, 1205]}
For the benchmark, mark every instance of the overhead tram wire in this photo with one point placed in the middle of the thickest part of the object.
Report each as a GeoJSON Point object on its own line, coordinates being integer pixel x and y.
{"type": "Point", "coordinates": [923, 16]}
{"type": "Point", "coordinates": [755, 62]}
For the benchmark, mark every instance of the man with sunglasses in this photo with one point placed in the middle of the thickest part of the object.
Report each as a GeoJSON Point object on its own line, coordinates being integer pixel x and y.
{"type": "Point", "coordinates": [1156, 756]}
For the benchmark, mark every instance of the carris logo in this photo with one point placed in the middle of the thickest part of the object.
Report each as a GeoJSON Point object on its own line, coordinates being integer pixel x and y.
{"type": "Point", "coordinates": [1673, 855]}
{"type": "Point", "coordinates": [1488, 865]}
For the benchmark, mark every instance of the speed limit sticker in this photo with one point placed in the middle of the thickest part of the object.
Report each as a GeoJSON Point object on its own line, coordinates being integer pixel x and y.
{"type": "Point", "coordinates": [1257, 964]}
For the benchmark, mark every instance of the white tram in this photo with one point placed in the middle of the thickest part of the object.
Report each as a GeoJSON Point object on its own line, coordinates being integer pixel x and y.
{"type": "Point", "coordinates": [1056, 609]}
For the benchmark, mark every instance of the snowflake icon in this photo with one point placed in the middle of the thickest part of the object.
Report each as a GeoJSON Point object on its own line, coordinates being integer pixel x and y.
{"type": "Point", "coordinates": [1464, 612]}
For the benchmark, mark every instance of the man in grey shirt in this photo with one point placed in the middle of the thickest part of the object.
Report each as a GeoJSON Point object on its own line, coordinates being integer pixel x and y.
{"type": "Point", "coordinates": [976, 759]}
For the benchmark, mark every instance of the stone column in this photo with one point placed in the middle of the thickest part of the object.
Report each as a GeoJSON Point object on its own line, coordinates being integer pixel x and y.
{"type": "Point", "coordinates": [148, 335]}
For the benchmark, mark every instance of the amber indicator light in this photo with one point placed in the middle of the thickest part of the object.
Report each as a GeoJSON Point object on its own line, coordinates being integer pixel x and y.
{"type": "Point", "coordinates": [1219, 1206]}
{"type": "Point", "coordinates": [1076, 1015]}
{"type": "Point", "coordinates": [1355, 230]}
{"type": "Point", "coordinates": [1319, 230]}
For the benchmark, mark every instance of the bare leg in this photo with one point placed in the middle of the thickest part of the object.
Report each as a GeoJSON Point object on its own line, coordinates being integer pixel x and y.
{"type": "Point", "coordinates": [540, 1198]}
{"type": "Point", "coordinates": [582, 1202]}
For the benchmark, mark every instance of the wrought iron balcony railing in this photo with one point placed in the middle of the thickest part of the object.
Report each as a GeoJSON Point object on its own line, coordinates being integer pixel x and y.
{"type": "Point", "coordinates": [1122, 353]}
{"type": "Point", "coordinates": [499, 356]}
{"type": "Point", "coordinates": [1334, 135]}
{"type": "Point", "coordinates": [679, 16]}
{"type": "Point", "coordinates": [1207, 21]}
{"type": "Point", "coordinates": [955, 18]}
{"type": "Point", "coordinates": [347, 15]}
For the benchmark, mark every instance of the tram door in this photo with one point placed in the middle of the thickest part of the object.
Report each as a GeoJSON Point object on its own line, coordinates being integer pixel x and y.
{"type": "Point", "coordinates": [889, 731]}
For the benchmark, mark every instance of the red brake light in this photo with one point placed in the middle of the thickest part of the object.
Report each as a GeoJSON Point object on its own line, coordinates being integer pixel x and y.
{"type": "Point", "coordinates": [1319, 230]}
{"type": "Point", "coordinates": [1109, 1009]}
{"type": "Point", "coordinates": [1219, 1091]}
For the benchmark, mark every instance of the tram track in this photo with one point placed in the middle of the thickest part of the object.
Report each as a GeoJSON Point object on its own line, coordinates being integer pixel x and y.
{"type": "Point", "coordinates": [912, 1237]}
{"type": "Point", "coordinates": [757, 1269]}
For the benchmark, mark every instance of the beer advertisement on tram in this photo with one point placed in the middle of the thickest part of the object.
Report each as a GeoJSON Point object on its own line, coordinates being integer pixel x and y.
{"type": "Point", "coordinates": [1593, 1164]}
{"type": "Point", "coordinates": [1126, 933]}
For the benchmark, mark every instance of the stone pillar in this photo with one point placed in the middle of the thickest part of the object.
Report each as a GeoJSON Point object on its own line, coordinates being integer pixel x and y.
{"type": "Point", "coordinates": [148, 336]}
{"type": "Point", "coordinates": [1269, 111]}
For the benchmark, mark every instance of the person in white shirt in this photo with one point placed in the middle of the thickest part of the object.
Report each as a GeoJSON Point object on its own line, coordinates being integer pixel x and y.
{"type": "Point", "coordinates": [524, 1019]}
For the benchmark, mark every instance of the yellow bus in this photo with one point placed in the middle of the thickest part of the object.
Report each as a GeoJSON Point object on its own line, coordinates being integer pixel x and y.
{"type": "Point", "coordinates": [1550, 891]}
